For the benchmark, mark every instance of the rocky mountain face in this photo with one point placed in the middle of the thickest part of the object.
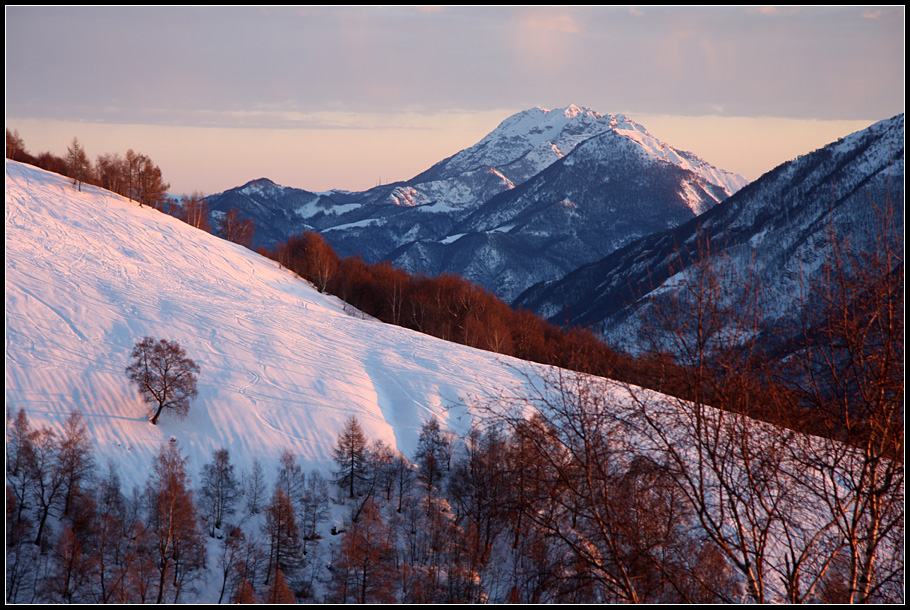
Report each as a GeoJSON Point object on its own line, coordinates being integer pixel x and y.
{"type": "Point", "coordinates": [545, 192]}
{"type": "Point", "coordinates": [775, 234]}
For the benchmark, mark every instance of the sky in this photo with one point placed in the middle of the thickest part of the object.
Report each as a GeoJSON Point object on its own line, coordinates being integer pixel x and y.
{"type": "Point", "coordinates": [350, 97]}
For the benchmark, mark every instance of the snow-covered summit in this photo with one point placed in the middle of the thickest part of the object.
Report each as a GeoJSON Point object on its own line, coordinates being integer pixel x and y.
{"type": "Point", "coordinates": [527, 142]}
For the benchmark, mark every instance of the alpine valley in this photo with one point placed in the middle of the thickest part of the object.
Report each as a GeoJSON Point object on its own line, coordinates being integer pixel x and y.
{"type": "Point", "coordinates": [544, 193]}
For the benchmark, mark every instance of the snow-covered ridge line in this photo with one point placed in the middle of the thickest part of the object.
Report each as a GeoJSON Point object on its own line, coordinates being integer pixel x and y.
{"type": "Point", "coordinates": [560, 130]}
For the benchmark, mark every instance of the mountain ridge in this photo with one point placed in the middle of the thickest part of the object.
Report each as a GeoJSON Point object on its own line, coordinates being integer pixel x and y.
{"type": "Point", "coordinates": [415, 224]}
{"type": "Point", "coordinates": [780, 219]}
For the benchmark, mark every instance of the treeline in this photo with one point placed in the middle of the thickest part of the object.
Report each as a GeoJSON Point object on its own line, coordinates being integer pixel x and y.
{"type": "Point", "coordinates": [455, 309]}
{"type": "Point", "coordinates": [133, 175]}
{"type": "Point", "coordinates": [445, 306]}
{"type": "Point", "coordinates": [563, 497]}
{"type": "Point", "coordinates": [464, 521]}
{"type": "Point", "coordinates": [136, 177]}
{"type": "Point", "coordinates": [74, 535]}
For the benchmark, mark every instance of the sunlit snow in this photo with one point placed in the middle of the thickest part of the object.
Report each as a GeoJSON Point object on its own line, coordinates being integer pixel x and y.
{"type": "Point", "coordinates": [88, 274]}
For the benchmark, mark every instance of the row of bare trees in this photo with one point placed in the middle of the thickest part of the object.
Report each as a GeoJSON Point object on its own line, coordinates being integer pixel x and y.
{"type": "Point", "coordinates": [74, 536]}
{"type": "Point", "coordinates": [133, 175]}
{"type": "Point", "coordinates": [540, 509]}
{"type": "Point", "coordinates": [445, 306]}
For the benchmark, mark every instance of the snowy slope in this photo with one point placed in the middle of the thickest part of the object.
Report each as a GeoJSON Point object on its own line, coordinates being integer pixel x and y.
{"type": "Point", "coordinates": [283, 366]}
{"type": "Point", "coordinates": [87, 274]}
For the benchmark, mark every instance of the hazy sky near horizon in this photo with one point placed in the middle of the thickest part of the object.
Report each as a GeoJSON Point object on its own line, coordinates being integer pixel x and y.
{"type": "Point", "coordinates": [345, 97]}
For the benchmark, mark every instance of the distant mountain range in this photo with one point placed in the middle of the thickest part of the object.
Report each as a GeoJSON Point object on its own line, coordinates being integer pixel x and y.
{"type": "Point", "coordinates": [776, 232]}
{"type": "Point", "coordinates": [542, 194]}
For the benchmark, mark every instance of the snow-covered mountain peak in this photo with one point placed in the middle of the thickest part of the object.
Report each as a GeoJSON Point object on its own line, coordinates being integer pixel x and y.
{"type": "Point", "coordinates": [529, 141]}
{"type": "Point", "coordinates": [546, 135]}
{"type": "Point", "coordinates": [259, 185]}
{"type": "Point", "coordinates": [573, 112]}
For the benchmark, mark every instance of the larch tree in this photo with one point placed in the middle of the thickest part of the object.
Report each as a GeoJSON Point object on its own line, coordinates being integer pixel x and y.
{"type": "Point", "coordinates": [351, 457]}
{"type": "Point", "coordinates": [363, 566]}
{"type": "Point", "coordinates": [78, 164]}
{"type": "Point", "coordinates": [219, 490]}
{"type": "Point", "coordinates": [179, 549]}
{"type": "Point", "coordinates": [281, 528]}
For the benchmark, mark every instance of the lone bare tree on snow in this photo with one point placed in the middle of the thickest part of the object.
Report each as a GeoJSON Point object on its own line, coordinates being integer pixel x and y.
{"type": "Point", "coordinates": [166, 378]}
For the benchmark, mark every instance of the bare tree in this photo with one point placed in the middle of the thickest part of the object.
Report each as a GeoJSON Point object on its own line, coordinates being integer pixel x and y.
{"type": "Point", "coordinates": [164, 375]}
{"type": "Point", "coordinates": [15, 145]}
{"type": "Point", "coordinates": [848, 371]}
{"type": "Point", "coordinates": [580, 502]}
{"type": "Point", "coordinates": [290, 476]}
{"type": "Point", "coordinates": [234, 227]}
{"type": "Point", "coordinates": [194, 211]}
{"type": "Point", "coordinates": [49, 480]}
{"type": "Point", "coordinates": [434, 452]}
{"type": "Point", "coordinates": [731, 469]}
{"type": "Point", "coordinates": [219, 490]}
{"type": "Point", "coordinates": [111, 173]}
{"type": "Point", "coordinates": [475, 492]}
{"type": "Point", "coordinates": [314, 507]}
{"type": "Point", "coordinates": [351, 456]}
{"type": "Point", "coordinates": [76, 460]}
{"type": "Point", "coordinates": [323, 262]}
{"type": "Point", "coordinates": [143, 180]}
{"type": "Point", "coordinates": [254, 487]}
{"type": "Point", "coordinates": [179, 550]}
{"type": "Point", "coordinates": [20, 449]}
{"type": "Point", "coordinates": [230, 552]}
{"type": "Point", "coordinates": [78, 164]}
{"type": "Point", "coordinates": [799, 516]}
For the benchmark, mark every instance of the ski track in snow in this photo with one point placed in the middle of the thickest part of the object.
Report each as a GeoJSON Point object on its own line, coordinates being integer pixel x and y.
{"type": "Point", "coordinates": [282, 366]}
